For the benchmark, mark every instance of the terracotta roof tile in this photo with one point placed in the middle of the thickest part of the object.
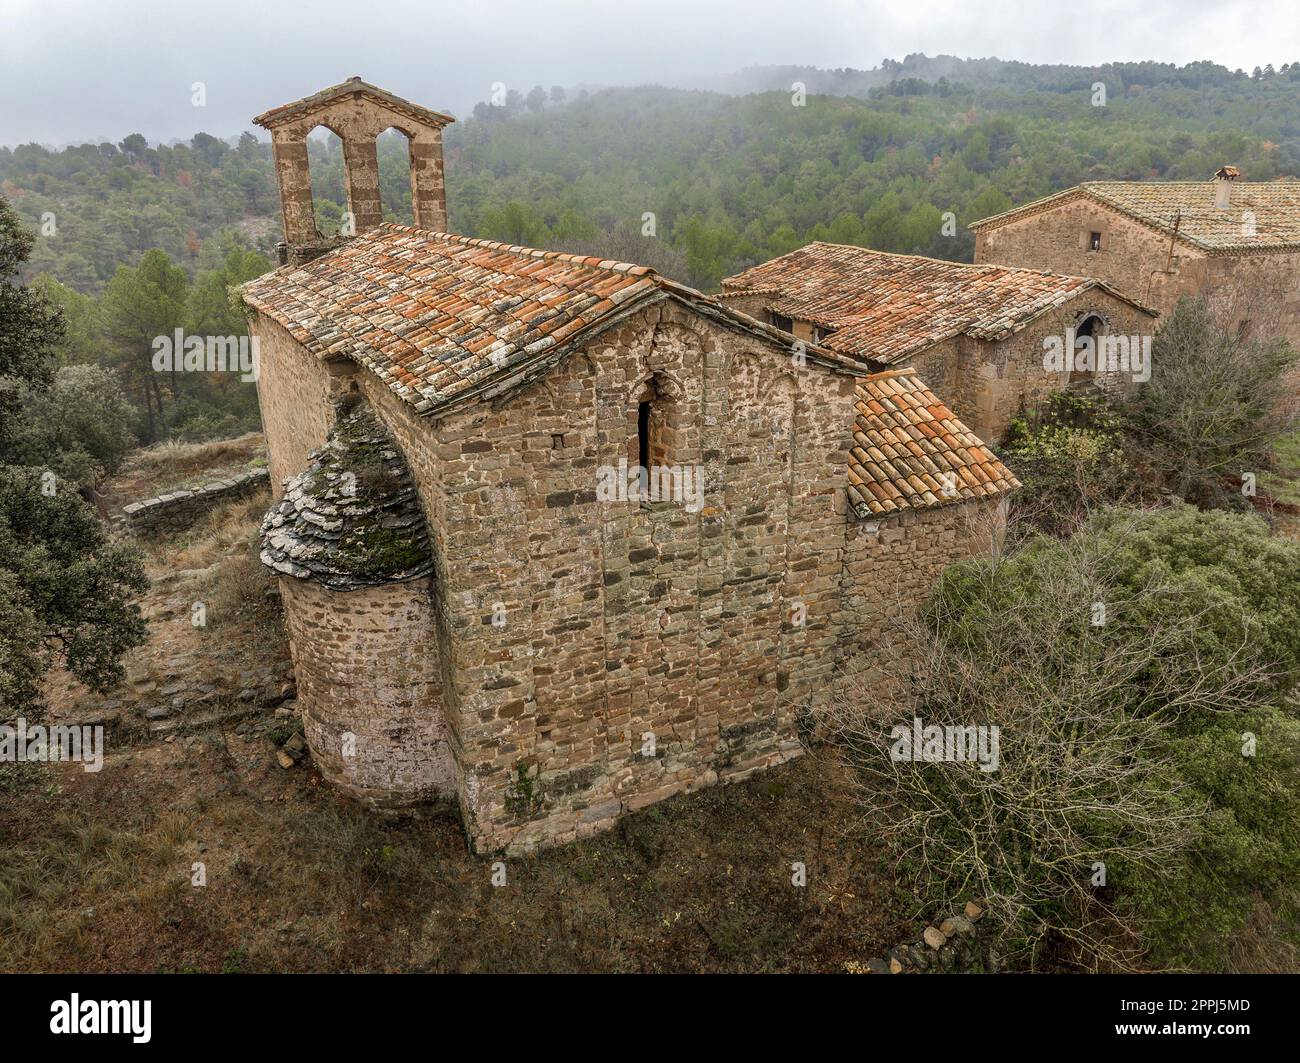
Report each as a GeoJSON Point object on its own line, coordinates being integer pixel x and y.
{"type": "Point", "coordinates": [889, 307]}
{"type": "Point", "coordinates": [444, 318]}
{"type": "Point", "coordinates": [910, 452]}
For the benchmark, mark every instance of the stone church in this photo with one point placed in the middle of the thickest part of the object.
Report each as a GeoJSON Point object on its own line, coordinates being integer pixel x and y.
{"type": "Point", "coordinates": [558, 537]}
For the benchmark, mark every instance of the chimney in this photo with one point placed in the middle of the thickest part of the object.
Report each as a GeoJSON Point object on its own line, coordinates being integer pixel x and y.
{"type": "Point", "coordinates": [1223, 178]}
{"type": "Point", "coordinates": [357, 112]}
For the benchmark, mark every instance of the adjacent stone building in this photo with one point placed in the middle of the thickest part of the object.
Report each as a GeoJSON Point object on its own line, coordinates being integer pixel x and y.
{"type": "Point", "coordinates": [980, 335]}
{"type": "Point", "coordinates": [1235, 242]}
{"type": "Point", "coordinates": [559, 538]}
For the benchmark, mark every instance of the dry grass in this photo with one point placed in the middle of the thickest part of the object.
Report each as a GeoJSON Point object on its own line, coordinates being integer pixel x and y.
{"type": "Point", "coordinates": [1282, 481]}
{"type": "Point", "coordinates": [174, 465]}
{"type": "Point", "coordinates": [223, 531]}
{"type": "Point", "coordinates": [179, 458]}
{"type": "Point", "coordinates": [95, 876]}
{"type": "Point", "coordinates": [1266, 945]}
{"type": "Point", "coordinates": [243, 593]}
{"type": "Point", "coordinates": [79, 870]}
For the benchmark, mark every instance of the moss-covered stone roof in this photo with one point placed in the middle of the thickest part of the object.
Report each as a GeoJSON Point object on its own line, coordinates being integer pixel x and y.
{"type": "Point", "coordinates": [352, 518]}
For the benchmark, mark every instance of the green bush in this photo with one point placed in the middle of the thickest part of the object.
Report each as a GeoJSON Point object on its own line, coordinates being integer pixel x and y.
{"type": "Point", "coordinates": [1069, 455]}
{"type": "Point", "coordinates": [1218, 399]}
{"type": "Point", "coordinates": [67, 590]}
{"type": "Point", "coordinates": [1127, 668]}
{"type": "Point", "coordinates": [79, 427]}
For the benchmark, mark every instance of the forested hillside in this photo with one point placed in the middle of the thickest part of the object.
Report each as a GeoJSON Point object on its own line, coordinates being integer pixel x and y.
{"type": "Point", "coordinates": [900, 158]}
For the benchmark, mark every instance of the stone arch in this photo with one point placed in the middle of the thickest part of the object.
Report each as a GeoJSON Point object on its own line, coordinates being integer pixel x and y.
{"type": "Point", "coordinates": [746, 374]}
{"type": "Point", "coordinates": [326, 164]}
{"type": "Point", "coordinates": [357, 113]}
{"type": "Point", "coordinates": [1089, 326]}
{"type": "Point", "coordinates": [396, 191]}
{"type": "Point", "coordinates": [783, 398]}
{"type": "Point", "coordinates": [666, 385]}
{"type": "Point", "coordinates": [657, 415]}
{"type": "Point", "coordinates": [543, 396]}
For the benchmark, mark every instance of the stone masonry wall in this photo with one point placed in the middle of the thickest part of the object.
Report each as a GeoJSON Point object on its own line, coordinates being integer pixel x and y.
{"type": "Point", "coordinates": [294, 391]}
{"type": "Point", "coordinates": [1261, 290]}
{"type": "Point", "coordinates": [177, 510]}
{"type": "Point", "coordinates": [995, 381]}
{"type": "Point", "coordinates": [591, 657]}
{"type": "Point", "coordinates": [1133, 260]}
{"type": "Point", "coordinates": [368, 667]}
{"type": "Point", "coordinates": [1056, 240]}
{"type": "Point", "coordinates": [890, 567]}
{"type": "Point", "coordinates": [618, 621]}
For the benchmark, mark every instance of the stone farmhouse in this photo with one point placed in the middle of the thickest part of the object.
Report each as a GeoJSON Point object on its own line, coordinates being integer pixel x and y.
{"type": "Point", "coordinates": [557, 537]}
{"type": "Point", "coordinates": [1235, 242]}
{"type": "Point", "coordinates": [977, 333]}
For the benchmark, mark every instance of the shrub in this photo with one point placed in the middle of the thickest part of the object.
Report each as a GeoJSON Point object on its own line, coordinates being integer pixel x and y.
{"type": "Point", "coordinates": [66, 590]}
{"type": "Point", "coordinates": [1120, 738]}
{"type": "Point", "coordinates": [1216, 403]}
{"type": "Point", "coordinates": [1070, 458]}
{"type": "Point", "coordinates": [79, 427]}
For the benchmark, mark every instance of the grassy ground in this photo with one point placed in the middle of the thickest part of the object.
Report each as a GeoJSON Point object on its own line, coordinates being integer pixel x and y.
{"type": "Point", "coordinates": [1283, 481]}
{"type": "Point", "coordinates": [177, 466]}
{"type": "Point", "coordinates": [243, 642]}
{"type": "Point", "coordinates": [96, 875]}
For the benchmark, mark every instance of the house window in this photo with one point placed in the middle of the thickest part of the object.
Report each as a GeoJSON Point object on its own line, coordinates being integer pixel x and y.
{"type": "Point", "coordinates": [557, 441]}
{"type": "Point", "coordinates": [781, 322]}
{"type": "Point", "coordinates": [1094, 241]}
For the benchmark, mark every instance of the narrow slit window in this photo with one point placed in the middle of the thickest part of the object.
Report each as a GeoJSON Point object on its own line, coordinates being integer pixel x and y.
{"type": "Point", "coordinates": [643, 435]}
{"type": "Point", "coordinates": [1094, 241]}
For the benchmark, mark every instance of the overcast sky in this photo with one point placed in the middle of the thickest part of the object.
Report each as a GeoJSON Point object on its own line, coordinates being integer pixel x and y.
{"type": "Point", "coordinates": [74, 70]}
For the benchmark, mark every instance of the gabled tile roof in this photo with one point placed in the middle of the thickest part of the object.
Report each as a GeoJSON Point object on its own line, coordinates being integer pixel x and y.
{"type": "Point", "coordinates": [889, 307]}
{"type": "Point", "coordinates": [1274, 224]}
{"type": "Point", "coordinates": [289, 112]}
{"type": "Point", "coordinates": [446, 319]}
{"type": "Point", "coordinates": [910, 452]}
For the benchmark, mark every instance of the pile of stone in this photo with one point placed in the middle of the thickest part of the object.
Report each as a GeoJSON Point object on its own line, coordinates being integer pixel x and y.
{"type": "Point", "coordinates": [293, 750]}
{"type": "Point", "coordinates": [954, 946]}
{"type": "Point", "coordinates": [178, 510]}
{"type": "Point", "coordinates": [352, 518]}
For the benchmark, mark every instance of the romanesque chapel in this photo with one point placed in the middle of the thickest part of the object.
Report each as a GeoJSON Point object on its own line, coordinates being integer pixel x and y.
{"type": "Point", "coordinates": [558, 537]}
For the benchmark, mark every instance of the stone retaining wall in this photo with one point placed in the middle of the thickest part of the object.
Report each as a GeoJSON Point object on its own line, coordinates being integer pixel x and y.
{"type": "Point", "coordinates": [177, 510]}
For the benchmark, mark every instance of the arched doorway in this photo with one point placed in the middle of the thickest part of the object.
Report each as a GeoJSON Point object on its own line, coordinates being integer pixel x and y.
{"type": "Point", "coordinates": [1084, 358]}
